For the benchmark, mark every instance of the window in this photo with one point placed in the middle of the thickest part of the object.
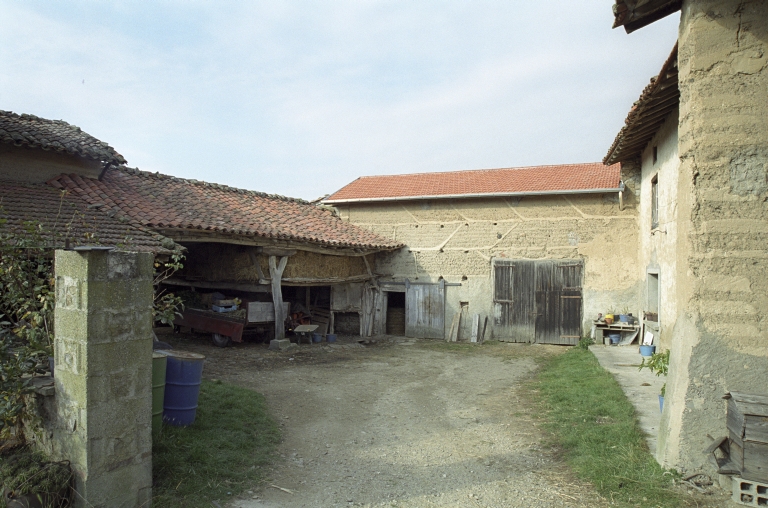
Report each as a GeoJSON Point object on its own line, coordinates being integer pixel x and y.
{"type": "Point", "coordinates": [655, 201]}
{"type": "Point", "coordinates": [655, 154]}
{"type": "Point", "coordinates": [653, 296]}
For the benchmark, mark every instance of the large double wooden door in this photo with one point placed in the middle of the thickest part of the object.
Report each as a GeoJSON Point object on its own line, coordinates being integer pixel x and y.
{"type": "Point", "coordinates": [537, 301]}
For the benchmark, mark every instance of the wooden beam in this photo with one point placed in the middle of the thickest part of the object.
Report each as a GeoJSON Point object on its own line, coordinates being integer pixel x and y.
{"type": "Point", "coordinates": [237, 286]}
{"type": "Point", "coordinates": [274, 251]}
{"type": "Point", "coordinates": [276, 273]}
{"type": "Point", "coordinates": [200, 236]}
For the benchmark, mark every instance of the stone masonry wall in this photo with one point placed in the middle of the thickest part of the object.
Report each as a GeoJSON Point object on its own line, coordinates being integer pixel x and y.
{"type": "Point", "coordinates": [457, 239]}
{"type": "Point", "coordinates": [103, 352]}
{"type": "Point", "coordinates": [658, 246]}
{"type": "Point", "coordinates": [720, 339]}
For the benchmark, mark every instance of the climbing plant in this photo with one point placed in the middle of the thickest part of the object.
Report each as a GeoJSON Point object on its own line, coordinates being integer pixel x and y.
{"type": "Point", "coordinates": [26, 316]}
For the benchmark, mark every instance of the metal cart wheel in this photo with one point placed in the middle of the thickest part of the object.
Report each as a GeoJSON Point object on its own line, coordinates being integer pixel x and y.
{"type": "Point", "coordinates": [221, 340]}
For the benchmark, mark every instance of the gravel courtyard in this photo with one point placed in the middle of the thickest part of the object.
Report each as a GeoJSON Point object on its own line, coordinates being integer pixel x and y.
{"type": "Point", "coordinates": [400, 422]}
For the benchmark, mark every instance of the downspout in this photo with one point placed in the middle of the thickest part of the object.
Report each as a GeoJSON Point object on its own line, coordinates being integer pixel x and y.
{"type": "Point", "coordinates": [621, 196]}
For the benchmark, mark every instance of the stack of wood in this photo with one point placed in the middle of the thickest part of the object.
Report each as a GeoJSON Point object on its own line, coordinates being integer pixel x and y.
{"type": "Point", "coordinates": [322, 318]}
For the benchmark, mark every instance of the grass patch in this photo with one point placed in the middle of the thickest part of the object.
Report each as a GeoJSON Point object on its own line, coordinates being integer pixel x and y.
{"type": "Point", "coordinates": [595, 425]}
{"type": "Point", "coordinates": [222, 454]}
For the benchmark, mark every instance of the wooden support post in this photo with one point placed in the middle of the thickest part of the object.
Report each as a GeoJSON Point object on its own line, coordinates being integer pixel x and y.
{"type": "Point", "coordinates": [276, 274]}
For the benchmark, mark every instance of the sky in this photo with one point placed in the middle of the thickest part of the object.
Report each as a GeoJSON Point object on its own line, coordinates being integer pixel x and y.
{"type": "Point", "coordinates": [300, 98]}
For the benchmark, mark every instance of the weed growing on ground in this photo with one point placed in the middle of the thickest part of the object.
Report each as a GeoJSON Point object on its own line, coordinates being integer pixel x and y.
{"type": "Point", "coordinates": [222, 454]}
{"type": "Point", "coordinates": [595, 425]}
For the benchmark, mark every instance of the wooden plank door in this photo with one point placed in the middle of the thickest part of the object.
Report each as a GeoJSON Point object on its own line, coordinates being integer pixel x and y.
{"type": "Point", "coordinates": [558, 302]}
{"type": "Point", "coordinates": [514, 305]}
{"type": "Point", "coordinates": [571, 305]}
{"type": "Point", "coordinates": [425, 310]}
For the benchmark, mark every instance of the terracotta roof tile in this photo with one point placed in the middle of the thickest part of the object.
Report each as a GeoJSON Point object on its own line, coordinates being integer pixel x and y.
{"type": "Point", "coordinates": [561, 179]}
{"type": "Point", "coordinates": [56, 135]}
{"type": "Point", "coordinates": [658, 99]}
{"type": "Point", "coordinates": [65, 216]}
{"type": "Point", "coordinates": [166, 202]}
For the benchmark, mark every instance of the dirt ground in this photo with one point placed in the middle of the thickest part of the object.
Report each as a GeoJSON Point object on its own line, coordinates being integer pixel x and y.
{"type": "Point", "coordinates": [399, 422]}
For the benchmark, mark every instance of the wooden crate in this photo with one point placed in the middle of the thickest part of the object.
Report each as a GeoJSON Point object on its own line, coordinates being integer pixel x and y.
{"type": "Point", "coordinates": [747, 423]}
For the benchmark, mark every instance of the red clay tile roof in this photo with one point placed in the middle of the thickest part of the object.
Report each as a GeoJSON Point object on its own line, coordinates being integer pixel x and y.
{"type": "Point", "coordinates": [65, 216]}
{"type": "Point", "coordinates": [562, 179]}
{"type": "Point", "coordinates": [56, 135]}
{"type": "Point", "coordinates": [659, 98]}
{"type": "Point", "coordinates": [165, 202]}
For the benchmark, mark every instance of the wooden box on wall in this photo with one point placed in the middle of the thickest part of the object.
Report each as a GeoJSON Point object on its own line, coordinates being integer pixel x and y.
{"type": "Point", "coordinates": [748, 434]}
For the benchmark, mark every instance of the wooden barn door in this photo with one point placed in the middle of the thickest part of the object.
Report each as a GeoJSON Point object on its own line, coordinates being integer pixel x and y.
{"type": "Point", "coordinates": [558, 302]}
{"type": "Point", "coordinates": [514, 306]}
{"type": "Point", "coordinates": [537, 301]}
{"type": "Point", "coordinates": [425, 310]}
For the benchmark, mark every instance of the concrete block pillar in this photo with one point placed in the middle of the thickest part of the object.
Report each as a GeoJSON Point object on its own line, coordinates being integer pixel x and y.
{"type": "Point", "coordinates": [103, 354]}
{"type": "Point", "coordinates": [720, 337]}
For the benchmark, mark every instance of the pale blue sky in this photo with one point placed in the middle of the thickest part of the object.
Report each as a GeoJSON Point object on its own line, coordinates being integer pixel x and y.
{"type": "Point", "coordinates": [300, 98]}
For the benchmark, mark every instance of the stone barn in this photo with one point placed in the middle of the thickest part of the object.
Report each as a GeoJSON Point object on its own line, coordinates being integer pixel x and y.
{"type": "Point", "coordinates": [526, 254]}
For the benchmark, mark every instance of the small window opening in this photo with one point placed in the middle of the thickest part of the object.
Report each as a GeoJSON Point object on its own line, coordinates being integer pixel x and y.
{"type": "Point", "coordinates": [655, 154]}
{"type": "Point", "coordinates": [655, 202]}
{"type": "Point", "coordinates": [653, 297]}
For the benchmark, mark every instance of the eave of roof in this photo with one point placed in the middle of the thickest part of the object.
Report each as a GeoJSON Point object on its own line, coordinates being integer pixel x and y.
{"type": "Point", "coordinates": [590, 178]}
{"type": "Point", "coordinates": [55, 135]}
{"type": "Point", "coordinates": [660, 98]}
{"type": "Point", "coordinates": [635, 14]}
{"type": "Point", "coordinates": [191, 210]}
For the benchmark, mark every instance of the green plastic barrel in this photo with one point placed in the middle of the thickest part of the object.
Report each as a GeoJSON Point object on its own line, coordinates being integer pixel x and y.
{"type": "Point", "coordinates": [159, 362]}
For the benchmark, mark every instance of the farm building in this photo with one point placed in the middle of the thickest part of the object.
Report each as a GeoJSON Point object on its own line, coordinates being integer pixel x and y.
{"type": "Point", "coordinates": [538, 251]}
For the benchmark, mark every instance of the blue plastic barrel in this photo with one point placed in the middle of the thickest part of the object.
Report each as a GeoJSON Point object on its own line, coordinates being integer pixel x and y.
{"type": "Point", "coordinates": [183, 375]}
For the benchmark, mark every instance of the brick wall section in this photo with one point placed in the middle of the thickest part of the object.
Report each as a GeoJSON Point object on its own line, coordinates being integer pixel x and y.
{"type": "Point", "coordinates": [103, 375]}
{"type": "Point", "coordinates": [720, 340]}
{"type": "Point", "coordinates": [457, 239]}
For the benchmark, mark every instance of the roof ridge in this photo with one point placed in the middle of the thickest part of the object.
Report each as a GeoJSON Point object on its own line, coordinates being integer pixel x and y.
{"type": "Point", "coordinates": [162, 176]}
{"type": "Point", "coordinates": [541, 166]}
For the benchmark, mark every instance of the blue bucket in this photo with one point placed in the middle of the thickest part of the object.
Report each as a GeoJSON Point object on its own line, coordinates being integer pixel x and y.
{"type": "Point", "coordinates": [183, 375]}
{"type": "Point", "coordinates": [316, 337]}
{"type": "Point", "coordinates": [615, 338]}
{"type": "Point", "coordinates": [647, 350]}
{"type": "Point", "coordinates": [331, 337]}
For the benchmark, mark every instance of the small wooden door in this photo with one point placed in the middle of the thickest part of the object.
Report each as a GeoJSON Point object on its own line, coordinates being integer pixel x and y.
{"type": "Point", "coordinates": [514, 311]}
{"type": "Point", "coordinates": [537, 301]}
{"type": "Point", "coordinates": [425, 310]}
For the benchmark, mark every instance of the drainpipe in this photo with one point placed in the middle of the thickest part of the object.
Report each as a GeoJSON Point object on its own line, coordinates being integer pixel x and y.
{"type": "Point", "coordinates": [621, 196]}
{"type": "Point", "coordinates": [104, 170]}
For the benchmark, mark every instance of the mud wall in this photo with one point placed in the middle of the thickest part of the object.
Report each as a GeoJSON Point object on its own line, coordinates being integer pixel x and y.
{"type": "Point", "coordinates": [235, 263]}
{"type": "Point", "coordinates": [720, 338]}
{"type": "Point", "coordinates": [457, 239]}
{"type": "Point", "coordinates": [658, 245]}
{"type": "Point", "coordinates": [31, 165]}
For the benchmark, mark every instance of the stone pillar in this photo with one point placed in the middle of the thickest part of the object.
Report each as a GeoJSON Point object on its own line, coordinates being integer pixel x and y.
{"type": "Point", "coordinates": [103, 354]}
{"type": "Point", "coordinates": [720, 339]}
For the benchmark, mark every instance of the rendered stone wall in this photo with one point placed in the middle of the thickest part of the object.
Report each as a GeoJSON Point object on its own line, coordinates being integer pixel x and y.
{"type": "Point", "coordinates": [658, 246]}
{"type": "Point", "coordinates": [103, 352]}
{"type": "Point", "coordinates": [720, 338]}
{"type": "Point", "coordinates": [35, 165]}
{"type": "Point", "coordinates": [217, 262]}
{"type": "Point", "coordinates": [457, 239]}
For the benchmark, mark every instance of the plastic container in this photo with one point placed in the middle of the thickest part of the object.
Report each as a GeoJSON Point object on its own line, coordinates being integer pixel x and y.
{"type": "Point", "coordinates": [615, 338]}
{"type": "Point", "coordinates": [218, 308]}
{"type": "Point", "coordinates": [331, 337]}
{"type": "Point", "coordinates": [647, 350]}
{"type": "Point", "coordinates": [184, 373]}
{"type": "Point", "coordinates": [159, 363]}
{"type": "Point", "coordinates": [316, 338]}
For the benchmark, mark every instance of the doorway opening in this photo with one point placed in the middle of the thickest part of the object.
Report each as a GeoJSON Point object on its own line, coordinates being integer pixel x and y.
{"type": "Point", "coordinates": [395, 313]}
